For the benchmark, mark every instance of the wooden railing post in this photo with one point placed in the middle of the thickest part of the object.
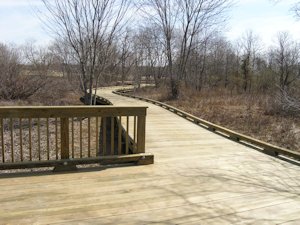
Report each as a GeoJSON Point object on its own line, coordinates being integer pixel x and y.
{"type": "Point", "coordinates": [141, 134]}
{"type": "Point", "coordinates": [64, 132]}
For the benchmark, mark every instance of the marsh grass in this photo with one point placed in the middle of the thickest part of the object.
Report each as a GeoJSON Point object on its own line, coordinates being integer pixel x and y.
{"type": "Point", "coordinates": [245, 113]}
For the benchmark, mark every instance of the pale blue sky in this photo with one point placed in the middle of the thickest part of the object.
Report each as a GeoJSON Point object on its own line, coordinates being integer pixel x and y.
{"type": "Point", "coordinates": [264, 17]}
{"type": "Point", "coordinates": [18, 22]}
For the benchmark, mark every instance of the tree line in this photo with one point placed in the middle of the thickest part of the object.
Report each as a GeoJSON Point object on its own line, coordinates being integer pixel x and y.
{"type": "Point", "coordinates": [167, 42]}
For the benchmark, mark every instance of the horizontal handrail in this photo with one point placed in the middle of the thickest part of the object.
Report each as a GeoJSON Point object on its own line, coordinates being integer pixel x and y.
{"type": "Point", "coordinates": [233, 135]}
{"type": "Point", "coordinates": [70, 111]}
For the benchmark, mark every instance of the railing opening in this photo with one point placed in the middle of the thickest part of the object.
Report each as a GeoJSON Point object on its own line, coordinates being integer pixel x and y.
{"type": "Point", "coordinates": [50, 136]}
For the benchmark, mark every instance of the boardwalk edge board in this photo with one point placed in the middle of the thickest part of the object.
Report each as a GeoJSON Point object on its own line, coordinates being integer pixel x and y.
{"type": "Point", "coordinates": [262, 146]}
{"type": "Point", "coordinates": [138, 159]}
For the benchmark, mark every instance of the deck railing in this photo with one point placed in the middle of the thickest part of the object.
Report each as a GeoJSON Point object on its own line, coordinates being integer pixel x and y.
{"type": "Point", "coordinates": [60, 136]}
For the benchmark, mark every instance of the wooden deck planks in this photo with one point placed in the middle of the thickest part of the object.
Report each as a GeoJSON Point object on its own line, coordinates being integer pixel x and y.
{"type": "Point", "coordinates": [198, 178]}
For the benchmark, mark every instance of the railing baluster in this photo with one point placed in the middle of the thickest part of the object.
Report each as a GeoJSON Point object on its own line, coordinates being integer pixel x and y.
{"type": "Point", "coordinates": [112, 136]}
{"type": "Point", "coordinates": [30, 138]}
{"type": "Point", "coordinates": [73, 137]}
{"type": "Point", "coordinates": [134, 135]}
{"type": "Point", "coordinates": [2, 140]}
{"type": "Point", "coordinates": [104, 135]}
{"type": "Point", "coordinates": [48, 141]}
{"type": "Point", "coordinates": [12, 139]}
{"type": "Point", "coordinates": [56, 138]}
{"type": "Point", "coordinates": [39, 137]}
{"type": "Point", "coordinates": [21, 139]}
{"type": "Point", "coordinates": [89, 137]}
{"type": "Point", "coordinates": [127, 135]}
{"type": "Point", "coordinates": [120, 136]}
{"type": "Point", "coordinates": [80, 136]}
{"type": "Point", "coordinates": [97, 135]}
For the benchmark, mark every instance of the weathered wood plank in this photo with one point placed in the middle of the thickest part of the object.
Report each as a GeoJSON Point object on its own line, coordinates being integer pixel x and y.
{"type": "Point", "coordinates": [64, 132]}
{"type": "Point", "coordinates": [70, 111]}
{"type": "Point", "coordinates": [140, 159]}
{"type": "Point", "coordinates": [141, 134]}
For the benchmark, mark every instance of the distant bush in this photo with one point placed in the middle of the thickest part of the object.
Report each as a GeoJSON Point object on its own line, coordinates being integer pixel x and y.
{"type": "Point", "coordinates": [14, 84]}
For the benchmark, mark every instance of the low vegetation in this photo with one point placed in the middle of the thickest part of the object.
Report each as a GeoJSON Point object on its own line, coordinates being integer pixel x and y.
{"type": "Point", "coordinates": [57, 91]}
{"type": "Point", "coordinates": [256, 115]}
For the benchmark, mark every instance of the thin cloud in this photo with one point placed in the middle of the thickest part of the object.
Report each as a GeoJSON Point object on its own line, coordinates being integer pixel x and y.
{"type": "Point", "coordinates": [264, 18]}
{"type": "Point", "coordinates": [19, 3]}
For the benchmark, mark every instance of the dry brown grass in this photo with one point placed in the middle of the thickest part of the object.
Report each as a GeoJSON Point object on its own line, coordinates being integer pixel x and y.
{"type": "Point", "coordinates": [41, 149]}
{"type": "Point", "coordinates": [57, 91]}
{"type": "Point", "coordinates": [245, 113]}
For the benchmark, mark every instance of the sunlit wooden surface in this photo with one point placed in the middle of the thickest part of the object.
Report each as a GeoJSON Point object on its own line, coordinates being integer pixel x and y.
{"type": "Point", "coordinates": [198, 178]}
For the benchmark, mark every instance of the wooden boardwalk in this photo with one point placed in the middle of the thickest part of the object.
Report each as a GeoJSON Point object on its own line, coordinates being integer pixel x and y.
{"type": "Point", "coordinates": [198, 178]}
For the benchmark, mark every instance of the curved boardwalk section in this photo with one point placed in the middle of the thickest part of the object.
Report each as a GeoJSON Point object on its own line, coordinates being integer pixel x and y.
{"type": "Point", "coordinates": [198, 178]}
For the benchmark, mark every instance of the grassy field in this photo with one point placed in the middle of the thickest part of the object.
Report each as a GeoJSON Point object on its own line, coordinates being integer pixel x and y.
{"type": "Point", "coordinates": [250, 114]}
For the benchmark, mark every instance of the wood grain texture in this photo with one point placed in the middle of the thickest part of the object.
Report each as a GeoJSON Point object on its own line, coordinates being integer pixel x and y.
{"type": "Point", "coordinates": [71, 111]}
{"type": "Point", "coordinates": [198, 178]}
{"type": "Point", "coordinates": [64, 136]}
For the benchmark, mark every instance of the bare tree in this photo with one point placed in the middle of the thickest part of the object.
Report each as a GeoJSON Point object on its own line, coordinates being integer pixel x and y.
{"type": "Point", "coordinates": [148, 44]}
{"type": "Point", "coordinates": [286, 61]}
{"type": "Point", "coordinates": [182, 22]}
{"type": "Point", "coordinates": [249, 45]}
{"type": "Point", "coordinates": [125, 53]}
{"type": "Point", "coordinates": [196, 71]}
{"type": "Point", "coordinates": [220, 61]}
{"type": "Point", "coordinates": [163, 13]}
{"type": "Point", "coordinates": [15, 83]}
{"type": "Point", "coordinates": [88, 28]}
{"type": "Point", "coordinates": [40, 59]}
{"type": "Point", "coordinates": [296, 9]}
{"type": "Point", "coordinates": [196, 18]}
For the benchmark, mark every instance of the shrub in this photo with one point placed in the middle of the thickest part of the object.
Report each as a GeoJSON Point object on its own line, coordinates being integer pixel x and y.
{"type": "Point", "coordinates": [14, 84]}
